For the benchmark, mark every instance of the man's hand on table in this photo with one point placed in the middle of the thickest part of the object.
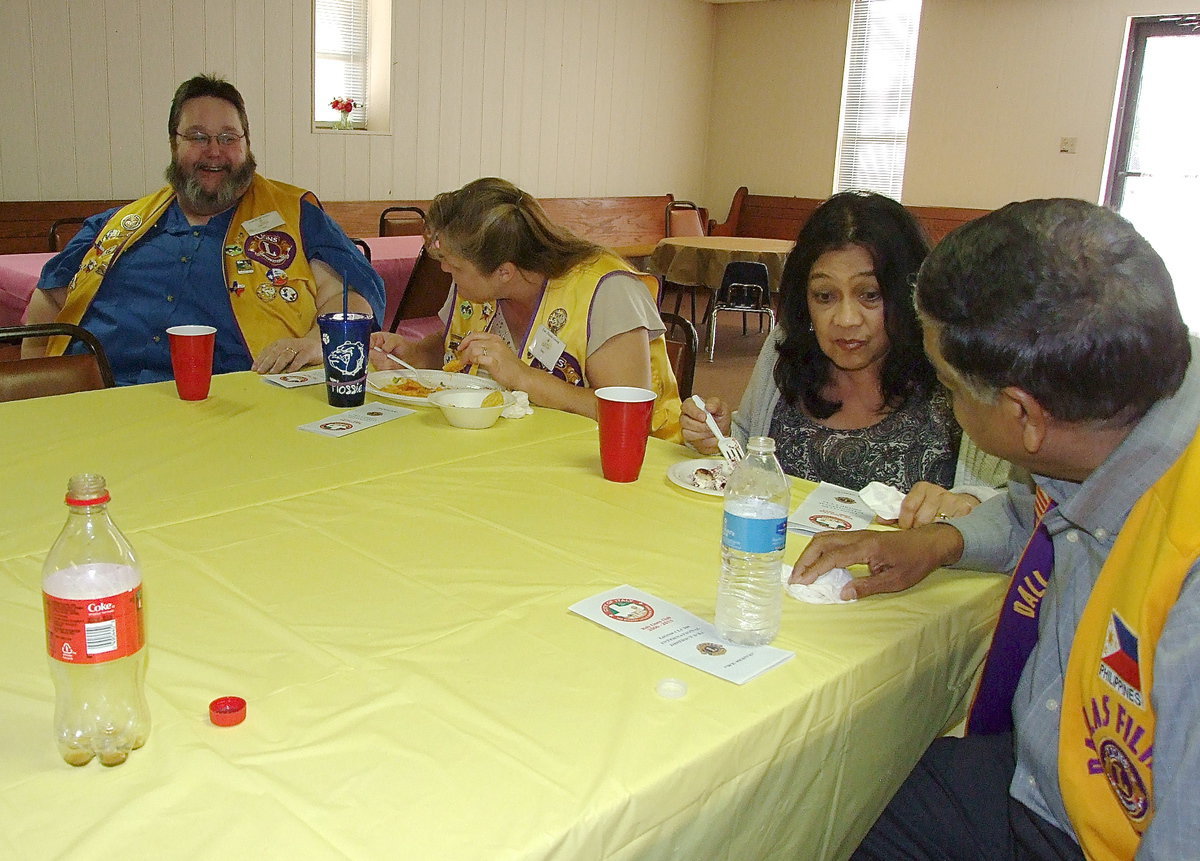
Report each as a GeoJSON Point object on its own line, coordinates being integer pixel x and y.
{"type": "Point", "coordinates": [288, 354]}
{"type": "Point", "coordinates": [929, 503]}
{"type": "Point", "coordinates": [896, 560]}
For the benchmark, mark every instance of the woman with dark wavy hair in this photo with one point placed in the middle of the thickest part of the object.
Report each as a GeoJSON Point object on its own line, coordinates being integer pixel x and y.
{"type": "Point", "coordinates": [843, 384]}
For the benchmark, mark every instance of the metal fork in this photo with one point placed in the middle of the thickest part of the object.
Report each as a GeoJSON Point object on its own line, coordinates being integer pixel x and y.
{"type": "Point", "coordinates": [729, 447]}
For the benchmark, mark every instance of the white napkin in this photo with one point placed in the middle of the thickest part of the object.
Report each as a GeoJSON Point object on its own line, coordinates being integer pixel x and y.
{"type": "Point", "coordinates": [520, 409]}
{"type": "Point", "coordinates": [826, 589]}
{"type": "Point", "coordinates": [884, 500]}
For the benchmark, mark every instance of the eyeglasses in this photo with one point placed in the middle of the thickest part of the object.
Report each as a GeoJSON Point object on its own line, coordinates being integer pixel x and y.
{"type": "Point", "coordinates": [200, 140]}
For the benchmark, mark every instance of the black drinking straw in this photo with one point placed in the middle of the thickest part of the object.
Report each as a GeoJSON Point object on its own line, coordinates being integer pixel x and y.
{"type": "Point", "coordinates": [345, 297]}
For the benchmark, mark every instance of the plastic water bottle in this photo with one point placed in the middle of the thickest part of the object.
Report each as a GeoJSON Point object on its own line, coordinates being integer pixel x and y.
{"type": "Point", "coordinates": [750, 593]}
{"type": "Point", "coordinates": [95, 634]}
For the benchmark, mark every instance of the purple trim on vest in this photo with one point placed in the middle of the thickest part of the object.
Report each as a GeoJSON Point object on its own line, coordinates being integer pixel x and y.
{"type": "Point", "coordinates": [1016, 631]}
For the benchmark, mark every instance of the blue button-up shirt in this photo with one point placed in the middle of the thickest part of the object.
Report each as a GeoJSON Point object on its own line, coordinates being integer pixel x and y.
{"type": "Point", "coordinates": [175, 276]}
{"type": "Point", "coordinates": [1084, 526]}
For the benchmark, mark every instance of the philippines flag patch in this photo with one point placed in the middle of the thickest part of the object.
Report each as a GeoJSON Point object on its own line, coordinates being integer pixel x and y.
{"type": "Point", "coordinates": [1120, 654]}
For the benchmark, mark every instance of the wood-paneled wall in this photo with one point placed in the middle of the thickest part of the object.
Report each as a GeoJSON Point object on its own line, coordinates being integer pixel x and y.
{"type": "Point", "coordinates": [567, 98]}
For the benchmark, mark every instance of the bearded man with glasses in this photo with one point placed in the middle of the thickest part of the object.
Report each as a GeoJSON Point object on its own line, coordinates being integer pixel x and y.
{"type": "Point", "coordinates": [219, 245]}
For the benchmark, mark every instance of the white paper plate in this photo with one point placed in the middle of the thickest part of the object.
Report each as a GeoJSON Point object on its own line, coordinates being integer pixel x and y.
{"type": "Point", "coordinates": [682, 474]}
{"type": "Point", "coordinates": [377, 379]}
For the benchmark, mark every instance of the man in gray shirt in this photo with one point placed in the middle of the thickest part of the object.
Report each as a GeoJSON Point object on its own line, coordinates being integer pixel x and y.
{"type": "Point", "coordinates": [1055, 327]}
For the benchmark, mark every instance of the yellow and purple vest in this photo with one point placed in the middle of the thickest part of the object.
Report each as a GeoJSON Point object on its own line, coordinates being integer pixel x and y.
{"type": "Point", "coordinates": [564, 309]}
{"type": "Point", "coordinates": [1106, 738]}
{"type": "Point", "coordinates": [269, 280]}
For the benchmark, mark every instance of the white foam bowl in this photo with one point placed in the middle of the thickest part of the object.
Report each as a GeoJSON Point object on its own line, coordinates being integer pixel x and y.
{"type": "Point", "coordinates": [461, 407]}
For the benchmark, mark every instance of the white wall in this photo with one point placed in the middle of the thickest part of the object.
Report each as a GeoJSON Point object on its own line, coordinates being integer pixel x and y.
{"type": "Point", "coordinates": [998, 82]}
{"type": "Point", "coordinates": [567, 97]}
{"type": "Point", "coordinates": [564, 97]}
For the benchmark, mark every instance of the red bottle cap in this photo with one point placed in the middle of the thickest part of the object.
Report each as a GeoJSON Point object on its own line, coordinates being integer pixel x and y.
{"type": "Point", "coordinates": [227, 711]}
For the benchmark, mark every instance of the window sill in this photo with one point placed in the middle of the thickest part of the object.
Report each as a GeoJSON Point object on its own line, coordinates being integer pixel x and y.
{"type": "Point", "coordinates": [326, 130]}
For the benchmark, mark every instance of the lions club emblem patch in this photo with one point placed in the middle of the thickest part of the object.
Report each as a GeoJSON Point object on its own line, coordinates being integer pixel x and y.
{"type": "Point", "coordinates": [272, 248]}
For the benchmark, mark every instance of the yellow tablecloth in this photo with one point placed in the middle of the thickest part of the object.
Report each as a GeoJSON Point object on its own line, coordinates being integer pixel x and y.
{"type": "Point", "coordinates": [393, 607]}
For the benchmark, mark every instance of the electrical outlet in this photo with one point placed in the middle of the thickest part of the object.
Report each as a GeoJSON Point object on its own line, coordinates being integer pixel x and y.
{"type": "Point", "coordinates": [1067, 144]}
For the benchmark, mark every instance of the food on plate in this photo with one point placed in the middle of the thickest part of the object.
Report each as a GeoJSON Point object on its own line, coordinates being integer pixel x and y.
{"type": "Point", "coordinates": [454, 366]}
{"type": "Point", "coordinates": [409, 388]}
{"type": "Point", "coordinates": [711, 479]}
{"type": "Point", "coordinates": [493, 399]}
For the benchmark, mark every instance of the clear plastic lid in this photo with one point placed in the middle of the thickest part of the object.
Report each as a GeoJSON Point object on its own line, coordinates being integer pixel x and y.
{"type": "Point", "coordinates": [761, 445]}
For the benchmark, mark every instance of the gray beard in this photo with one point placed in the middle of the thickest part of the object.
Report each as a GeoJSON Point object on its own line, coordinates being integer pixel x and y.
{"type": "Point", "coordinates": [195, 199]}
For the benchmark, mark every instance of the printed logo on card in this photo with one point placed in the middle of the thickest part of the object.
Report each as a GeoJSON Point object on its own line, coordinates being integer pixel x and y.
{"type": "Point", "coordinates": [627, 610]}
{"type": "Point", "coordinates": [829, 521]}
{"type": "Point", "coordinates": [712, 649]}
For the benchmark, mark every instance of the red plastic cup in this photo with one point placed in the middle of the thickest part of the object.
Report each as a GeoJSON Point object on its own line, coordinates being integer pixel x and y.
{"type": "Point", "coordinates": [192, 359]}
{"type": "Point", "coordinates": [624, 415]}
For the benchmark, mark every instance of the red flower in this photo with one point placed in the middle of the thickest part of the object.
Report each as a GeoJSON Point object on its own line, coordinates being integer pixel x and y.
{"type": "Point", "coordinates": [344, 106]}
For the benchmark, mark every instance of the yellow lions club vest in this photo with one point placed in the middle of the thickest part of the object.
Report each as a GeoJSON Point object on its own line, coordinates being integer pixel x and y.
{"type": "Point", "coordinates": [563, 309]}
{"type": "Point", "coordinates": [270, 283]}
{"type": "Point", "coordinates": [1106, 738]}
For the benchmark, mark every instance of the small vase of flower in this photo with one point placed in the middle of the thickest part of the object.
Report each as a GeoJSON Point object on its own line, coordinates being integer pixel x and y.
{"type": "Point", "coordinates": [343, 107]}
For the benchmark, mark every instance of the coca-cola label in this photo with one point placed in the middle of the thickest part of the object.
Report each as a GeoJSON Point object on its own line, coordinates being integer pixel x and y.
{"type": "Point", "coordinates": [96, 629]}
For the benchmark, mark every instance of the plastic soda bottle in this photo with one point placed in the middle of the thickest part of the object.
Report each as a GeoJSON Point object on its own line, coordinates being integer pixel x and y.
{"type": "Point", "coordinates": [95, 634]}
{"type": "Point", "coordinates": [750, 592]}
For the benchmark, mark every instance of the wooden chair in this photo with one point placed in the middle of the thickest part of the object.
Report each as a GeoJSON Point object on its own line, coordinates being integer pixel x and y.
{"type": "Point", "coordinates": [53, 375]}
{"type": "Point", "coordinates": [682, 346]}
{"type": "Point", "coordinates": [62, 230]}
{"type": "Point", "coordinates": [426, 291]}
{"type": "Point", "coordinates": [402, 221]}
{"type": "Point", "coordinates": [684, 218]}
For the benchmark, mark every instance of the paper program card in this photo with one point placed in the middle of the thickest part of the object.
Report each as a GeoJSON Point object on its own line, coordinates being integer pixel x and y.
{"type": "Point", "coordinates": [356, 419]}
{"type": "Point", "coordinates": [831, 508]}
{"type": "Point", "coordinates": [678, 634]}
{"type": "Point", "coordinates": [295, 379]}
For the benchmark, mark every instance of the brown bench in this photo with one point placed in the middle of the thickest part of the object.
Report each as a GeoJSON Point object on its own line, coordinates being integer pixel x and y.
{"type": "Point", "coordinates": [616, 222]}
{"type": "Point", "coordinates": [25, 224]}
{"type": "Point", "coordinates": [775, 217]}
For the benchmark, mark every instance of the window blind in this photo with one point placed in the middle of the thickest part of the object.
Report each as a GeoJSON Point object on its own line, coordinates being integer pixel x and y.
{"type": "Point", "coordinates": [873, 130]}
{"type": "Point", "coordinates": [340, 58]}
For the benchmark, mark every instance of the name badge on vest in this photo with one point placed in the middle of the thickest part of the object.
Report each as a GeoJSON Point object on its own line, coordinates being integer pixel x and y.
{"type": "Point", "coordinates": [547, 347]}
{"type": "Point", "coordinates": [262, 222]}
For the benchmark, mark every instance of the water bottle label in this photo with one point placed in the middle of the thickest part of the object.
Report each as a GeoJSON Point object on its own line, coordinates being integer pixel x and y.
{"type": "Point", "coordinates": [754, 534]}
{"type": "Point", "coordinates": [94, 630]}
